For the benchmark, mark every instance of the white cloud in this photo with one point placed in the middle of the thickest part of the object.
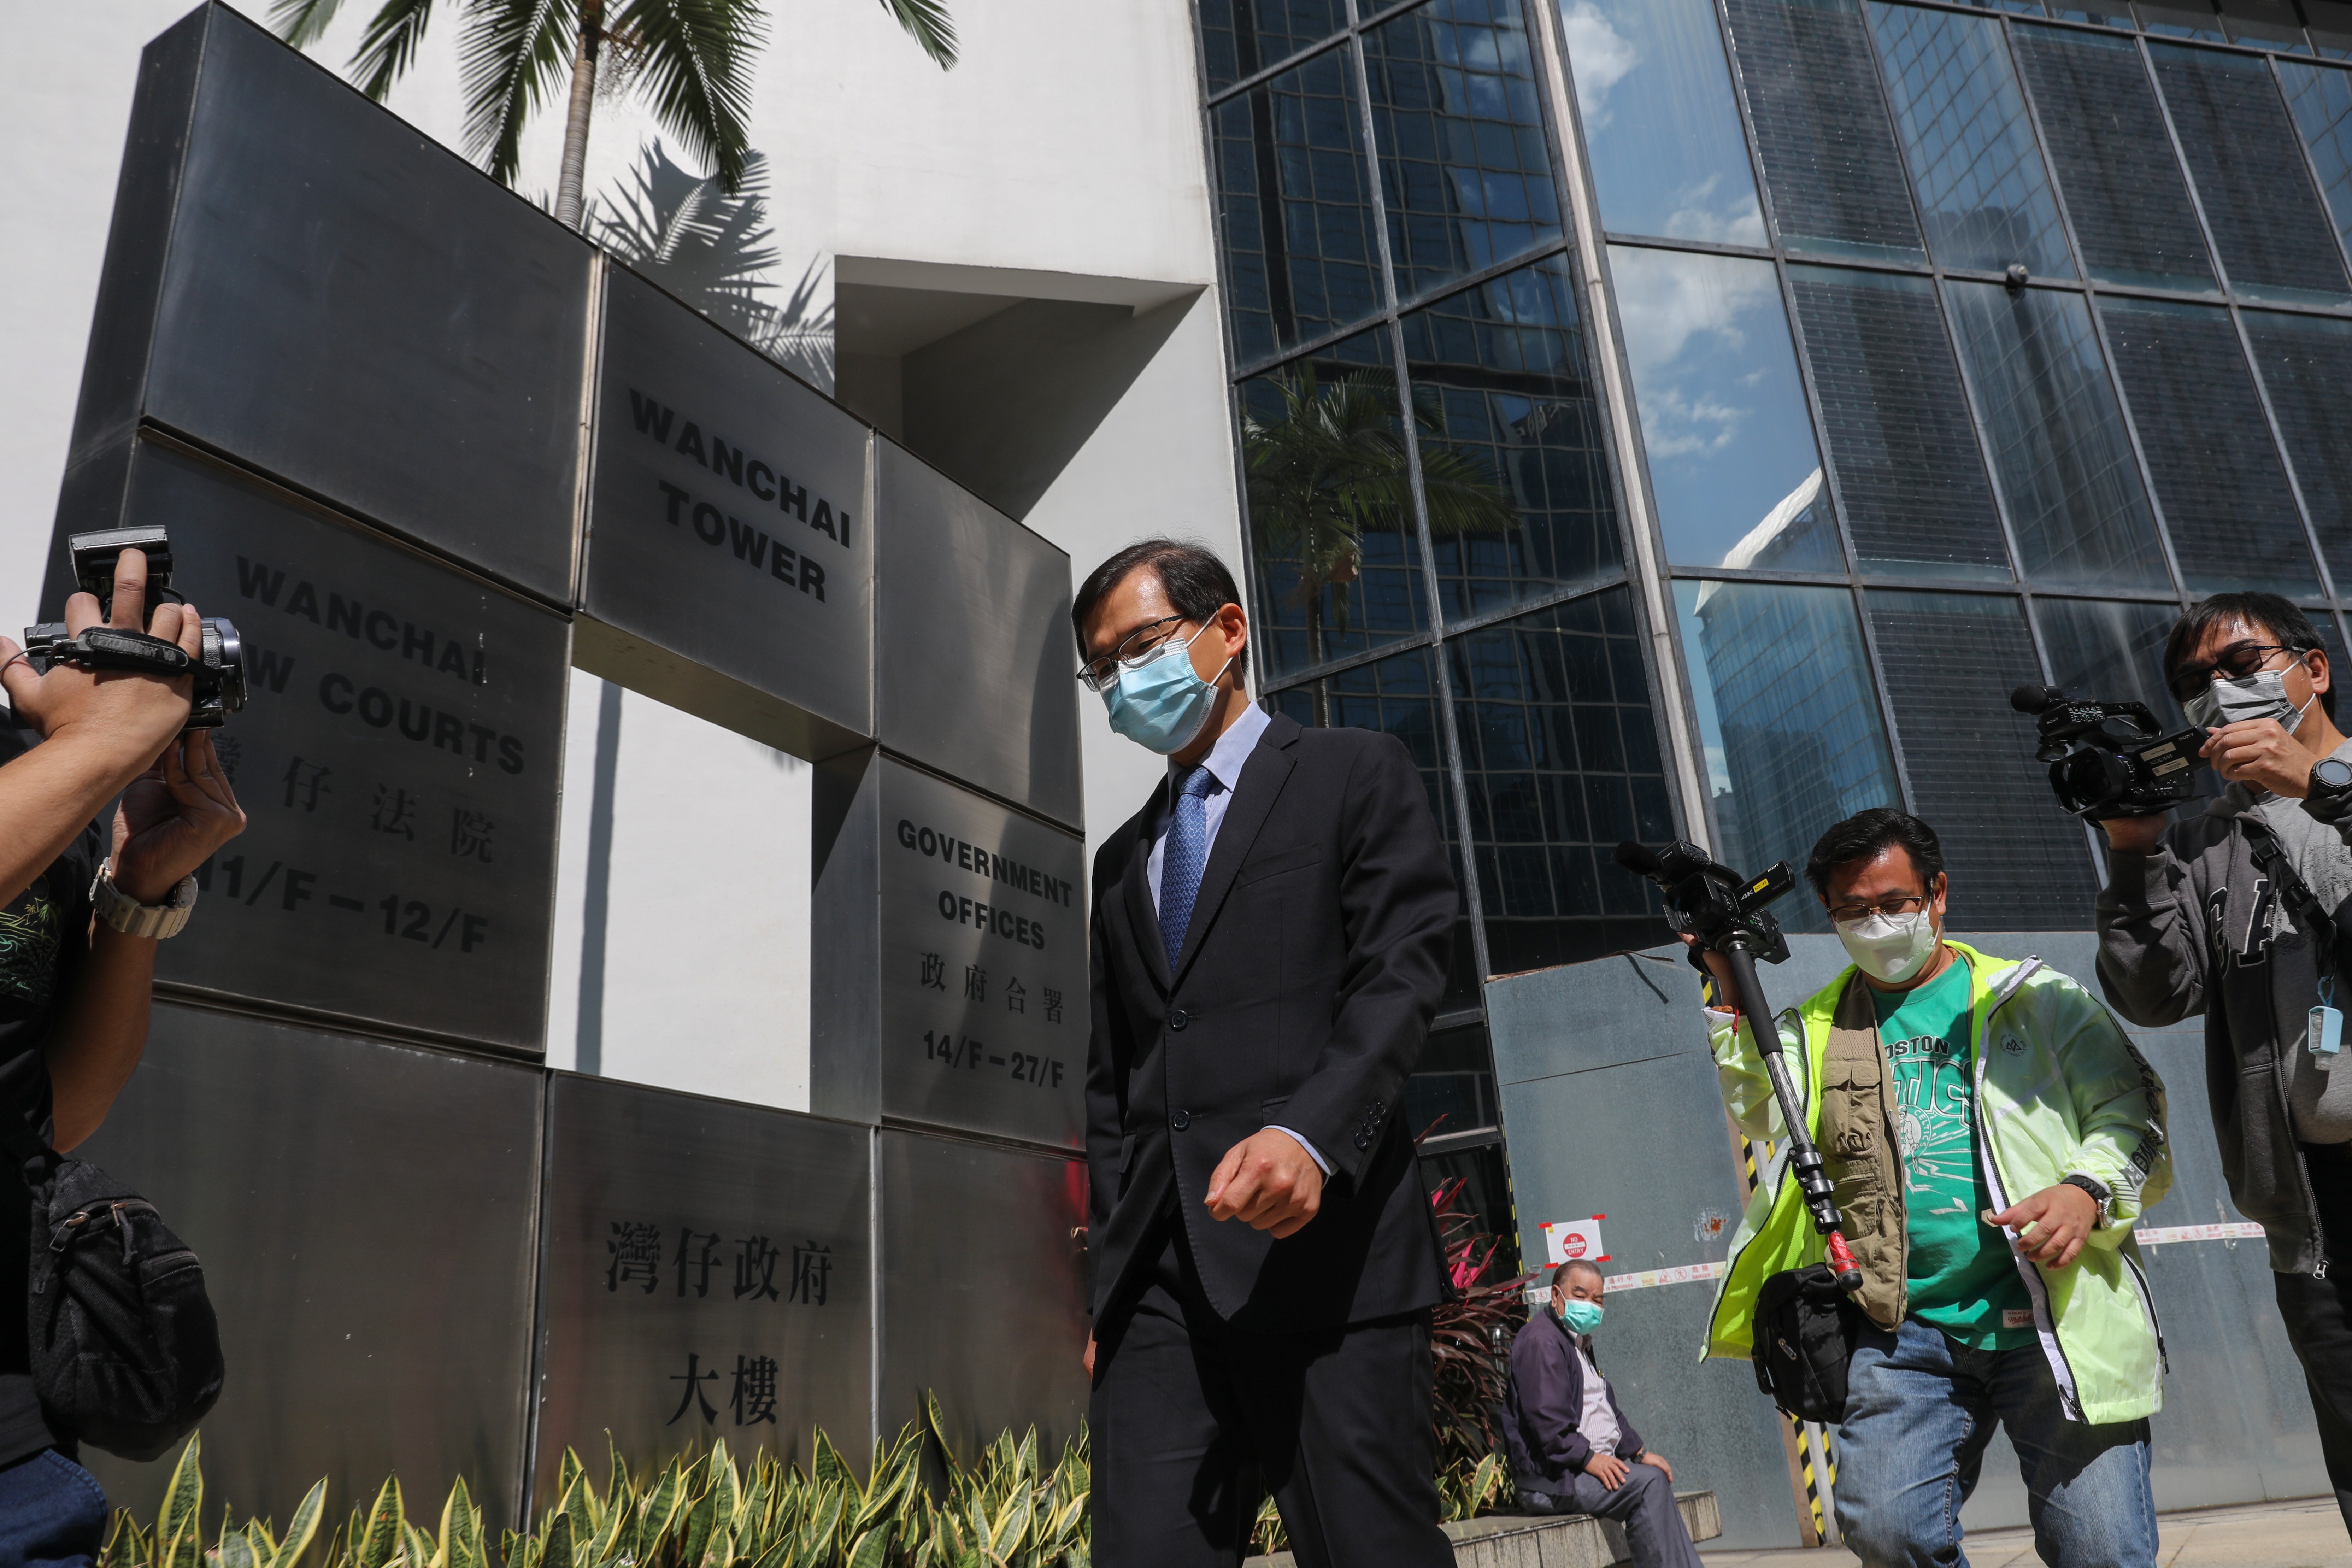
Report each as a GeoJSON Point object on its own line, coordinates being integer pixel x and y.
{"type": "Point", "coordinates": [1599, 55]}
{"type": "Point", "coordinates": [1735, 219]}
{"type": "Point", "coordinates": [1676, 424]}
{"type": "Point", "coordinates": [1666, 298]}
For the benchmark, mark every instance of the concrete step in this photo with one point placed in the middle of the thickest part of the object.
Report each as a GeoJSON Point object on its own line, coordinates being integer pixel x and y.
{"type": "Point", "coordinates": [1571, 1541]}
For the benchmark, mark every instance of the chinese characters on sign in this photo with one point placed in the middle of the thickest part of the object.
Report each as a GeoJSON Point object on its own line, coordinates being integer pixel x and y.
{"type": "Point", "coordinates": [639, 1258]}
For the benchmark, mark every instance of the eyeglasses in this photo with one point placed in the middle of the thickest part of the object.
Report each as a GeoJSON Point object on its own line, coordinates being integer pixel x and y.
{"type": "Point", "coordinates": [1893, 909]}
{"type": "Point", "coordinates": [2236, 662]}
{"type": "Point", "coordinates": [1133, 650]}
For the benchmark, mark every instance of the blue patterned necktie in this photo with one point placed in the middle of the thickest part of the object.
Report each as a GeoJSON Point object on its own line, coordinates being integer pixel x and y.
{"type": "Point", "coordinates": [1182, 858]}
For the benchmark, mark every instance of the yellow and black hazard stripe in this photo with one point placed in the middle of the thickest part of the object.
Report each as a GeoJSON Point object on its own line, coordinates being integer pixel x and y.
{"type": "Point", "coordinates": [1819, 1467]}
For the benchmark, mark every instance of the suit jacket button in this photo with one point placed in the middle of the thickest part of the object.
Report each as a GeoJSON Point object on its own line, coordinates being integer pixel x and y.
{"type": "Point", "coordinates": [1178, 1018]}
{"type": "Point", "coordinates": [1180, 1120]}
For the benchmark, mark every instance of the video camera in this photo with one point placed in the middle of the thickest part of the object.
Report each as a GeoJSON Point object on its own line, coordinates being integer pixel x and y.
{"type": "Point", "coordinates": [2123, 765]}
{"type": "Point", "coordinates": [1711, 902]}
{"type": "Point", "coordinates": [218, 670]}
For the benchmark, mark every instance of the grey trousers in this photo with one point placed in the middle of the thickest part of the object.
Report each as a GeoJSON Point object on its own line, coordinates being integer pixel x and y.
{"type": "Point", "coordinates": [1644, 1505]}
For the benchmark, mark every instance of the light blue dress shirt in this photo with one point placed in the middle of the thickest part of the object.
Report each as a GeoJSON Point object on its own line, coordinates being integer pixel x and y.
{"type": "Point", "coordinates": [1224, 764]}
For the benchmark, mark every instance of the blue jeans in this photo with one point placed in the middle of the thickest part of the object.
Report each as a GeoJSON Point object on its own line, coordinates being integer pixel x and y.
{"type": "Point", "coordinates": [52, 1513]}
{"type": "Point", "coordinates": [1919, 1411]}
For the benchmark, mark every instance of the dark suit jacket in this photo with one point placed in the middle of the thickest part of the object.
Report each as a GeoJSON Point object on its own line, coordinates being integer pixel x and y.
{"type": "Point", "coordinates": [1314, 959]}
{"type": "Point", "coordinates": [1545, 1407]}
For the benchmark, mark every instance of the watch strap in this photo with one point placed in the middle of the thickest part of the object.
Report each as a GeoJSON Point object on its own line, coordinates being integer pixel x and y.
{"type": "Point", "coordinates": [126, 914]}
{"type": "Point", "coordinates": [2099, 1192]}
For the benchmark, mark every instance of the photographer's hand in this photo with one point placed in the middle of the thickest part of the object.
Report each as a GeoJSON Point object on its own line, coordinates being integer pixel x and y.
{"type": "Point", "coordinates": [2136, 835]}
{"type": "Point", "coordinates": [172, 818]}
{"type": "Point", "coordinates": [2259, 752]}
{"type": "Point", "coordinates": [1720, 967]}
{"type": "Point", "coordinates": [2052, 1225]}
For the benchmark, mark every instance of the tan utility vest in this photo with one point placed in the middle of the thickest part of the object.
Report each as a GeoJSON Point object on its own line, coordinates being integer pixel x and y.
{"type": "Point", "coordinates": [1860, 1154]}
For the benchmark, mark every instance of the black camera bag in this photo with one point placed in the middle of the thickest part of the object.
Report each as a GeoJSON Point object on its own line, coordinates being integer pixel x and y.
{"type": "Point", "coordinates": [126, 1352]}
{"type": "Point", "coordinates": [1805, 1330]}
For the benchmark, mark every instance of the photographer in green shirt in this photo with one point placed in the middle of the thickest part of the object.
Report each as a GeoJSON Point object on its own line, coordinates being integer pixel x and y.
{"type": "Point", "coordinates": [1992, 1136]}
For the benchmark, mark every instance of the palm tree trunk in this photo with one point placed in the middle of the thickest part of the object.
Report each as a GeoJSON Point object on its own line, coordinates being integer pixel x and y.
{"type": "Point", "coordinates": [568, 200]}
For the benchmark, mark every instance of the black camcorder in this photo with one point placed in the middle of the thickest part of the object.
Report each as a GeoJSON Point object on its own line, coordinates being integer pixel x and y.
{"type": "Point", "coordinates": [218, 670]}
{"type": "Point", "coordinates": [2111, 758]}
{"type": "Point", "coordinates": [1713, 902]}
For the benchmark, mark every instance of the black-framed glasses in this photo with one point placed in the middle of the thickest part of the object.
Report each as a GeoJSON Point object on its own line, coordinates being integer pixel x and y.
{"type": "Point", "coordinates": [1132, 651]}
{"type": "Point", "coordinates": [2236, 662]}
{"type": "Point", "coordinates": [1893, 909]}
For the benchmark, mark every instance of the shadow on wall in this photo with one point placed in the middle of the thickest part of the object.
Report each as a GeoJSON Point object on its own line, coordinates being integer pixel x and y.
{"type": "Point", "coordinates": [998, 391]}
{"type": "Point", "coordinates": [716, 251]}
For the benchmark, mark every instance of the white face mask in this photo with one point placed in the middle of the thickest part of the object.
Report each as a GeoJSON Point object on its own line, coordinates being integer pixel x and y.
{"type": "Point", "coordinates": [1892, 948]}
{"type": "Point", "coordinates": [2261, 695]}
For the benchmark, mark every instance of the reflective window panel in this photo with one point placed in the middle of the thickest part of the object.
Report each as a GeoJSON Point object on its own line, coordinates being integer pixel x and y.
{"type": "Point", "coordinates": [1949, 661]}
{"type": "Point", "coordinates": [1730, 446]}
{"type": "Point", "coordinates": [1513, 465]}
{"type": "Point", "coordinates": [2060, 451]}
{"type": "Point", "coordinates": [1465, 169]}
{"type": "Point", "coordinates": [2114, 160]}
{"type": "Point", "coordinates": [2264, 24]}
{"type": "Point", "coordinates": [2111, 651]}
{"type": "Point", "coordinates": [2306, 365]}
{"type": "Point", "coordinates": [1821, 125]}
{"type": "Point", "coordinates": [2181, 19]}
{"type": "Point", "coordinates": [1560, 753]}
{"type": "Point", "coordinates": [1240, 39]}
{"type": "Point", "coordinates": [1983, 194]}
{"type": "Point", "coordinates": [2225, 499]}
{"type": "Point", "coordinates": [1330, 502]}
{"type": "Point", "coordinates": [1914, 488]}
{"type": "Point", "coordinates": [1398, 695]}
{"type": "Point", "coordinates": [2320, 97]}
{"type": "Point", "coordinates": [1661, 132]}
{"type": "Point", "coordinates": [1295, 204]}
{"type": "Point", "coordinates": [2329, 25]}
{"type": "Point", "coordinates": [2116, 14]}
{"type": "Point", "coordinates": [2273, 236]}
{"type": "Point", "coordinates": [1788, 718]}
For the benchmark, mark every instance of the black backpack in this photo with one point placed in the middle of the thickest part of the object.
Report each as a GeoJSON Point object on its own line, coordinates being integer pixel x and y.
{"type": "Point", "coordinates": [1806, 1328]}
{"type": "Point", "coordinates": [125, 1349]}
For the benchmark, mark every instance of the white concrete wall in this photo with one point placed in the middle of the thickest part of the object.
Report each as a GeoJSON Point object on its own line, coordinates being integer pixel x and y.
{"type": "Point", "coordinates": [1068, 140]}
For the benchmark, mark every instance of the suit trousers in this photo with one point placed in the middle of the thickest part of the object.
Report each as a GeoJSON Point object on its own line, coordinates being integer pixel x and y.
{"type": "Point", "coordinates": [1193, 1422]}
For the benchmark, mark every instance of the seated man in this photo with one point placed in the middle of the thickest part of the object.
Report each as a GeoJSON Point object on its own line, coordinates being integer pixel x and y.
{"type": "Point", "coordinates": [1572, 1450]}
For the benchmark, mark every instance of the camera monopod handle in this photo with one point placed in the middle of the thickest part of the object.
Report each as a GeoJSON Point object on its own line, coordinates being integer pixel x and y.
{"type": "Point", "coordinates": [1804, 1159]}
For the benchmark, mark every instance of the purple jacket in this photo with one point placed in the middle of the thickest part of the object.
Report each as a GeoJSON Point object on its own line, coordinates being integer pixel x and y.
{"type": "Point", "coordinates": [1545, 1404]}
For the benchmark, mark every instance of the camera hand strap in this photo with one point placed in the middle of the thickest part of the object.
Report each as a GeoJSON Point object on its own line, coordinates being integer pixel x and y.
{"type": "Point", "coordinates": [112, 648]}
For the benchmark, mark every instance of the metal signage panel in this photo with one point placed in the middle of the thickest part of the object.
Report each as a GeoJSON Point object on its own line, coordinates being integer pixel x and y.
{"type": "Point", "coordinates": [982, 960]}
{"type": "Point", "coordinates": [399, 762]}
{"type": "Point", "coordinates": [365, 1214]}
{"type": "Point", "coordinates": [983, 1288]}
{"type": "Point", "coordinates": [963, 587]}
{"type": "Point", "coordinates": [707, 1272]}
{"type": "Point", "coordinates": [298, 278]}
{"type": "Point", "coordinates": [730, 533]}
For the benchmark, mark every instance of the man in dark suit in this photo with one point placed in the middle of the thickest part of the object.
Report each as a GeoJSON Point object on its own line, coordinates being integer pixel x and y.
{"type": "Point", "coordinates": [1269, 941]}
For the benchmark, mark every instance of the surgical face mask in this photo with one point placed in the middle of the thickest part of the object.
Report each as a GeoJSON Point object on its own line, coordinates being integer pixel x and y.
{"type": "Point", "coordinates": [1581, 1316]}
{"type": "Point", "coordinates": [2261, 695]}
{"type": "Point", "coordinates": [1162, 704]}
{"type": "Point", "coordinates": [1892, 948]}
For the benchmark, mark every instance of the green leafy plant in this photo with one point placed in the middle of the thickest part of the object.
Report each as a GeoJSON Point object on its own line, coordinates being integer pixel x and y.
{"type": "Point", "coordinates": [705, 1510]}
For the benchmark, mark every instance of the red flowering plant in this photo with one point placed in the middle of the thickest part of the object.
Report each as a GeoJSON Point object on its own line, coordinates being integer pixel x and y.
{"type": "Point", "coordinates": [1470, 1336]}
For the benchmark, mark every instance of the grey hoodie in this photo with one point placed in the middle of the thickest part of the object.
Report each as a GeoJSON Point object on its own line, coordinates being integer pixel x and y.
{"type": "Point", "coordinates": [2197, 916]}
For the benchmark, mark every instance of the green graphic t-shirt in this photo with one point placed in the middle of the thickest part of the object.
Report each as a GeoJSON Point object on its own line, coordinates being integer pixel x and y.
{"type": "Point", "coordinates": [1962, 1278]}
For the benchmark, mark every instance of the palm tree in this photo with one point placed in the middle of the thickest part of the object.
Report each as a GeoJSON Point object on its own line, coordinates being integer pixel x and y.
{"type": "Point", "coordinates": [1334, 465]}
{"type": "Point", "coordinates": [691, 59]}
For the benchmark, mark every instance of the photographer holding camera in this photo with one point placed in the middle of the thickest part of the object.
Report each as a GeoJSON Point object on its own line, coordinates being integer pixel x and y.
{"type": "Point", "coordinates": [2237, 912]}
{"type": "Point", "coordinates": [80, 916]}
{"type": "Point", "coordinates": [1992, 1137]}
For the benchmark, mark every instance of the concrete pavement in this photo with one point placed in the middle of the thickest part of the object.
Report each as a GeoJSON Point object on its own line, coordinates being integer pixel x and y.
{"type": "Point", "coordinates": [2307, 1534]}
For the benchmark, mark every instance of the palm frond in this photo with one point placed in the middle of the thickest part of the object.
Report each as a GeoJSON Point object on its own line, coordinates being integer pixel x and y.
{"type": "Point", "coordinates": [302, 22]}
{"type": "Point", "coordinates": [389, 46]}
{"type": "Point", "coordinates": [928, 23]}
{"type": "Point", "coordinates": [512, 53]}
{"type": "Point", "coordinates": [695, 70]}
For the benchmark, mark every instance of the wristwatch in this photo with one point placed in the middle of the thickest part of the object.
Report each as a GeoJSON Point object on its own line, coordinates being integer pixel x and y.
{"type": "Point", "coordinates": [2099, 1195]}
{"type": "Point", "coordinates": [2330, 800]}
{"type": "Point", "coordinates": [131, 918]}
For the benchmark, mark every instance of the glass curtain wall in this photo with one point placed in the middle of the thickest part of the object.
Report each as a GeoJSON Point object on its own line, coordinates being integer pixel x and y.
{"type": "Point", "coordinates": [2036, 334]}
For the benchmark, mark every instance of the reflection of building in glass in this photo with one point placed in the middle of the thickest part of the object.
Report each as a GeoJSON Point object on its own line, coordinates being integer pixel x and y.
{"type": "Point", "coordinates": [1800, 723]}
